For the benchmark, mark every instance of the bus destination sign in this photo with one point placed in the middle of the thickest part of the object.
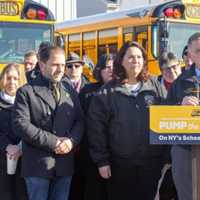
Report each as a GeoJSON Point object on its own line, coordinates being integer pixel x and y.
{"type": "Point", "coordinates": [9, 8]}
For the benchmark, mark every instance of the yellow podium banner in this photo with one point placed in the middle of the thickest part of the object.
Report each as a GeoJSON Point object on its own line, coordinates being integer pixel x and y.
{"type": "Point", "coordinates": [175, 124]}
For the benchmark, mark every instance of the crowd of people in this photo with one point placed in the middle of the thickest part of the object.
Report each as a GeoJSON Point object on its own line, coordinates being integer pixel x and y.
{"type": "Point", "coordinates": [78, 140]}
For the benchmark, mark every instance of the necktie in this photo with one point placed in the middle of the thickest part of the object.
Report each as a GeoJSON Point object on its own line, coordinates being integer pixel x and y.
{"type": "Point", "coordinates": [56, 92]}
{"type": "Point", "coordinates": [76, 86]}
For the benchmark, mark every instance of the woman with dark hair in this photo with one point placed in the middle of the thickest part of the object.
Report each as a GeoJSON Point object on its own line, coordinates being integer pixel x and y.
{"type": "Point", "coordinates": [12, 187]}
{"type": "Point", "coordinates": [104, 68]}
{"type": "Point", "coordinates": [103, 73]}
{"type": "Point", "coordinates": [118, 128]}
{"type": "Point", "coordinates": [95, 186]}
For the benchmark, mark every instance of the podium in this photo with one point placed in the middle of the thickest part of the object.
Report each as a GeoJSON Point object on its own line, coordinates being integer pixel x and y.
{"type": "Point", "coordinates": [179, 125]}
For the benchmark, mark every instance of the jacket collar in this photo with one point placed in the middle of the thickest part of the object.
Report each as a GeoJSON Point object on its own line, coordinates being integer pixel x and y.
{"type": "Point", "coordinates": [145, 86]}
{"type": "Point", "coordinates": [188, 74]}
{"type": "Point", "coordinates": [5, 105]}
{"type": "Point", "coordinates": [41, 87]}
{"type": "Point", "coordinates": [64, 95]}
{"type": "Point", "coordinates": [83, 80]}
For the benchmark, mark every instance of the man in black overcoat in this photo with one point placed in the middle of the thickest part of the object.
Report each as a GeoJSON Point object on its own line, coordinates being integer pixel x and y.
{"type": "Point", "coordinates": [48, 118]}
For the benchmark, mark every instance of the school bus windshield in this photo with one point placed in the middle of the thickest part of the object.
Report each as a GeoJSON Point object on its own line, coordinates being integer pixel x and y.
{"type": "Point", "coordinates": [179, 34]}
{"type": "Point", "coordinates": [16, 39]}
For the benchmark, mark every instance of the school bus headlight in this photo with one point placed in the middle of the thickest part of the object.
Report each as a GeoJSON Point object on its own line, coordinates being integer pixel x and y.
{"type": "Point", "coordinates": [31, 13]}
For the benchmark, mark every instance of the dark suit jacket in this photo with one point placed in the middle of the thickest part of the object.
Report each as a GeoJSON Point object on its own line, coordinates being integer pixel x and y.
{"type": "Point", "coordinates": [38, 121]}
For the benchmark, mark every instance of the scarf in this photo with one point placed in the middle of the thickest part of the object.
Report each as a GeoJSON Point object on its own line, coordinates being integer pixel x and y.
{"type": "Point", "coordinates": [7, 98]}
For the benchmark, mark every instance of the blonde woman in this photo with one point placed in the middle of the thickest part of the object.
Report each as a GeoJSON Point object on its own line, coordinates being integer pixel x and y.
{"type": "Point", "coordinates": [11, 186]}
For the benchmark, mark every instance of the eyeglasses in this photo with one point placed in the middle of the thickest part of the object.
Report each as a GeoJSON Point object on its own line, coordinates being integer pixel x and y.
{"type": "Point", "coordinates": [70, 66]}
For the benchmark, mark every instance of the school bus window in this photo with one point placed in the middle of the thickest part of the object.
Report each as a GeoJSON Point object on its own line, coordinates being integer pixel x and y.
{"type": "Point", "coordinates": [89, 46]}
{"type": "Point", "coordinates": [113, 49]}
{"type": "Point", "coordinates": [128, 34]}
{"type": "Point", "coordinates": [184, 30]}
{"type": "Point", "coordinates": [25, 37]}
{"type": "Point", "coordinates": [46, 34]}
{"type": "Point", "coordinates": [141, 35]}
{"type": "Point", "coordinates": [107, 41]}
{"type": "Point", "coordinates": [129, 29]}
{"type": "Point", "coordinates": [74, 43]}
{"type": "Point", "coordinates": [128, 37]}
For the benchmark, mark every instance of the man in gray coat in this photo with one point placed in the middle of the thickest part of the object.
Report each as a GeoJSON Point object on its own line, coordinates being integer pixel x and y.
{"type": "Point", "coordinates": [48, 118]}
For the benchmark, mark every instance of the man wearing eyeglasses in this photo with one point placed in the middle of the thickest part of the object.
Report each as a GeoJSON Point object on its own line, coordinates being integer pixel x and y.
{"type": "Point", "coordinates": [185, 91]}
{"type": "Point", "coordinates": [74, 72]}
{"type": "Point", "coordinates": [74, 76]}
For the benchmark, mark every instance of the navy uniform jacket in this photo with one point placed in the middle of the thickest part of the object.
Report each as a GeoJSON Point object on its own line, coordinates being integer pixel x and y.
{"type": "Point", "coordinates": [38, 121]}
{"type": "Point", "coordinates": [119, 124]}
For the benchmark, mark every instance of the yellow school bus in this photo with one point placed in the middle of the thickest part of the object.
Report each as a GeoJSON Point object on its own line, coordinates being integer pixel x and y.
{"type": "Point", "coordinates": [157, 28]}
{"type": "Point", "coordinates": [24, 24]}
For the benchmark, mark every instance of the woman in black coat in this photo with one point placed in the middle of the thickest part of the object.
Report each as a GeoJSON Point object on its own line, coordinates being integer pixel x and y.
{"type": "Point", "coordinates": [95, 185]}
{"type": "Point", "coordinates": [12, 187]}
{"type": "Point", "coordinates": [118, 128]}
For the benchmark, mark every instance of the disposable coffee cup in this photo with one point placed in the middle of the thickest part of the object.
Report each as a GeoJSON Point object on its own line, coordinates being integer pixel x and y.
{"type": "Point", "coordinates": [11, 165]}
